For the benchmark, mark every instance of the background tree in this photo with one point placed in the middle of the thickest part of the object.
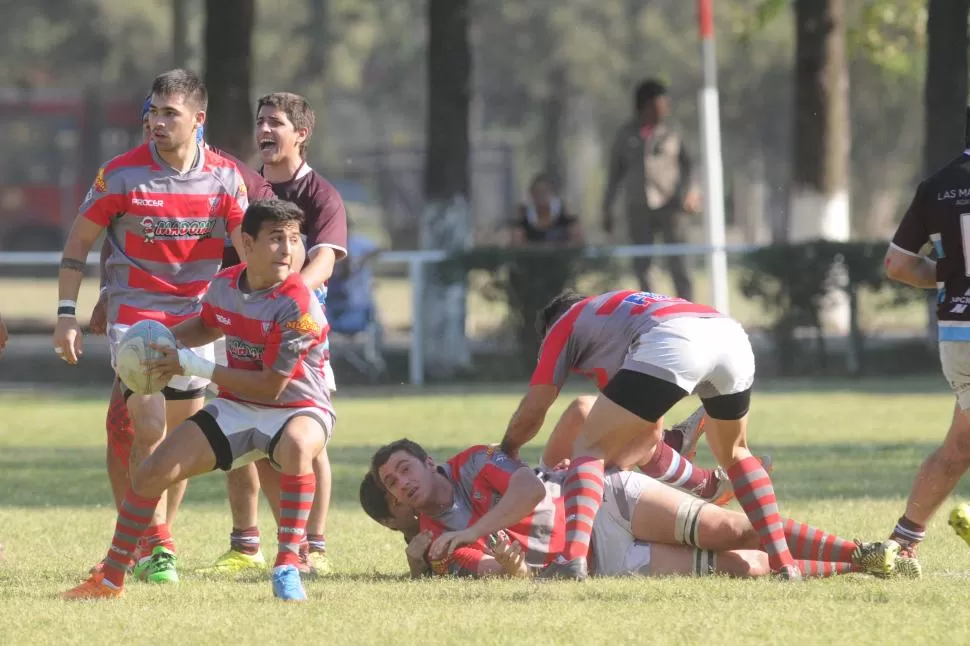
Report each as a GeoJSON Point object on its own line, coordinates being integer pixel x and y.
{"type": "Point", "coordinates": [445, 218]}
{"type": "Point", "coordinates": [228, 73]}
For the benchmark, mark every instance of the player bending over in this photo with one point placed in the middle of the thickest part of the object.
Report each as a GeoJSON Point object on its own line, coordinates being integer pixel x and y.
{"type": "Point", "coordinates": [644, 527]}
{"type": "Point", "coordinates": [273, 401]}
{"type": "Point", "coordinates": [167, 207]}
{"type": "Point", "coordinates": [646, 353]}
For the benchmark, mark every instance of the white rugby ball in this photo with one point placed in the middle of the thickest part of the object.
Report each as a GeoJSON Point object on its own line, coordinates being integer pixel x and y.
{"type": "Point", "coordinates": [134, 349]}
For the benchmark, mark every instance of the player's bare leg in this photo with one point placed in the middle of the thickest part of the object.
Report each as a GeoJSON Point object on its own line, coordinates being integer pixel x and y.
{"type": "Point", "coordinates": [269, 480]}
{"type": "Point", "coordinates": [664, 515]}
{"type": "Point", "coordinates": [316, 545]}
{"type": "Point", "coordinates": [185, 453]}
{"type": "Point", "coordinates": [148, 416]}
{"type": "Point", "coordinates": [935, 481]}
{"type": "Point", "coordinates": [301, 441]}
{"type": "Point", "coordinates": [244, 553]}
{"type": "Point", "coordinates": [176, 412]}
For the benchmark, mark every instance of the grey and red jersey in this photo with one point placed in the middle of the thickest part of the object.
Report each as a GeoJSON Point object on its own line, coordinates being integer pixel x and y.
{"type": "Point", "coordinates": [166, 230]}
{"type": "Point", "coordinates": [282, 327]}
{"type": "Point", "coordinates": [480, 476]}
{"type": "Point", "coordinates": [595, 335]}
{"type": "Point", "coordinates": [257, 188]}
{"type": "Point", "coordinates": [326, 216]}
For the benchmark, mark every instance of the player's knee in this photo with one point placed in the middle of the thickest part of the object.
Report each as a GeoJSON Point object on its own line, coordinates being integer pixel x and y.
{"type": "Point", "coordinates": [148, 480]}
{"type": "Point", "coordinates": [578, 409]}
{"type": "Point", "coordinates": [149, 428]}
{"type": "Point", "coordinates": [297, 449]}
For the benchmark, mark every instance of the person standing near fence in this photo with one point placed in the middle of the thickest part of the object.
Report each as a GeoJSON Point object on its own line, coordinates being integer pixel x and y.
{"type": "Point", "coordinates": [650, 161]}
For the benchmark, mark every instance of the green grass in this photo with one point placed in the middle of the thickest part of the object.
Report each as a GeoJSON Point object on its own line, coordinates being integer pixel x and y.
{"type": "Point", "coordinates": [845, 456]}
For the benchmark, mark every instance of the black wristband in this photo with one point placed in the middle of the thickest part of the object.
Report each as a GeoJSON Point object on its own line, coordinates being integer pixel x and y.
{"type": "Point", "coordinates": [65, 311]}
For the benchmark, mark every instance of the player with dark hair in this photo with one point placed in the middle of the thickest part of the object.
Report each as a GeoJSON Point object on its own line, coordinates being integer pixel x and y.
{"type": "Point", "coordinates": [938, 216]}
{"type": "Point", "coordinates": [167, 207]}
{"type": "Point", "coordinates": [284, 126]}
{"type": "Point", "coordinates": [646, 352]}
{"type": "Point", "coordinates": [644, 528]}
{"type": "Point", "coordinates": [273, 399]}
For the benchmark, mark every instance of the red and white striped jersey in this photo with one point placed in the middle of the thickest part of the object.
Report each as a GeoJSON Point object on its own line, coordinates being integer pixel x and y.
{"type": "Point", "coordinates": [594, 336]}
{"type": "Point", "coordinates": [166, 229]}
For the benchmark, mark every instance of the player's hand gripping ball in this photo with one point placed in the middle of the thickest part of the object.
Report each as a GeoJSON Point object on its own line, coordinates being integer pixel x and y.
{"type": "Point", "coordinates": [135, 356]}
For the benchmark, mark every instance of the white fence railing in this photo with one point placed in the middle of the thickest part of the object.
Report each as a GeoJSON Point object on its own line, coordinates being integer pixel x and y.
{"type": "Point", "coordinates": [416, 262]}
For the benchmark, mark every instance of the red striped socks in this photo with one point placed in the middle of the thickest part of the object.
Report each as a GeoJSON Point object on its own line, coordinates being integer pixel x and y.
{"type": "Point", "coordinates": [133, 519]}
{"type": "Point", "coordinates": [583, 493]}
{"type": "Point", "coordinates": [296, 498]}
{"type": "Point", "coordinates": [753, 489]}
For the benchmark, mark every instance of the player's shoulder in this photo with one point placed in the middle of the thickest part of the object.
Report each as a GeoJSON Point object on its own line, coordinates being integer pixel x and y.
{"type": "Point", "coordinates": [216, 158]}
{"type": "Point", "coordinates": [139, 156]}
{"type": "Point", "coordinates": [478, 456]}
{"type": "Point", "coordinates": [298, 306]}
{"type": "Point", "coordinates": [320, 187]}
{"type": "Point", "coordinates": [228, 278]}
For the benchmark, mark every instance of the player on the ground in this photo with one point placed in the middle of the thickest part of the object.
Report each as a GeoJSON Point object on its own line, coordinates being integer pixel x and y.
{"type": "Point", "coordinates": [646, 352]}
{"type": "Point", "coordinates": [938, 215]}
{"type": "Point", "coordinates": [284, 126]}
{"type": "Point", "coordinates": [643, 528]}
{"type": "Point", "coordinates": [273, 399]}
{"type": "Point", "coordinates": [167, 206]}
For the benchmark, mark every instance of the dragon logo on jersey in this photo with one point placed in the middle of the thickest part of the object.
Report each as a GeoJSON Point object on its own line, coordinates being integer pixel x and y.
{"type": "Point", "coordinates": [243, 351]}
{"type": "Point", "coordinates": [304, 324]}
{"type": "Point", "coordinates": [173, 229]}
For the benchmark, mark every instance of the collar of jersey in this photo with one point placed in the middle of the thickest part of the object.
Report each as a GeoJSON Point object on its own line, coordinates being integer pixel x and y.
{"type": "Point", "coordinates": [196, 165]}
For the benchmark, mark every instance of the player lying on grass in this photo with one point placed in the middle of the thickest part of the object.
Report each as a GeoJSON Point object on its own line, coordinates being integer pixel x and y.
{"type": "Point", "coordinates": [273, 401]}
{"type": "Point", "coordinates": [643, 528]}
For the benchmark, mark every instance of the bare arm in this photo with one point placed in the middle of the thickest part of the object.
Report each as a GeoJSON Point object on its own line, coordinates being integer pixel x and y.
{"type": "Point", "coordinates": [103, 261]}
{"type": "Point", "coordinates": [525, 491]}
{"type": "Point", "coordinates": [236, 238]}
{"type": "Point", "coordinates": [320, 268]}
{"type": "Point", "coordinates": [194, 333]}
{"type": "Point", "coordinates": [80, 240]}
{"type": "Point", "coordinates": [528, 418]}
{"type": "Point", "coordinates": [915, 270]}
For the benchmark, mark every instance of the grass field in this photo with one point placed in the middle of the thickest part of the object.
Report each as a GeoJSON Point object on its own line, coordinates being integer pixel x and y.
{"type": "Point", "coordinates": [845, 456]}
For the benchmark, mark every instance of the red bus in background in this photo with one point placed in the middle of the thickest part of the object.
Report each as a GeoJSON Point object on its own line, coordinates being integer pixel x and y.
{"type": "Point", "coordinates": [52, 144]}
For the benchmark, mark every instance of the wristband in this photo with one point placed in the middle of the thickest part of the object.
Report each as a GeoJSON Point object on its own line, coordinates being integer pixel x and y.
{"type": "Point", "coordinates": [195, 366]}
{"type": "Point", "coordinates": [66, 309]}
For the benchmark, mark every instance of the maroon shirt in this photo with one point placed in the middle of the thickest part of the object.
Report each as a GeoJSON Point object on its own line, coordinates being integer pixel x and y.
{"type": "Point", "coordinates": [326, 217]}
{"type": "Point", "coordinates": [258, 189]}
{"type": "Point", "coordinates": [940, 214]}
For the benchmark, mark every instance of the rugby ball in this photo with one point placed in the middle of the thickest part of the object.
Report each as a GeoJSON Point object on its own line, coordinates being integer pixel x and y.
{"type": "Point", "coordinates": [134, 350]}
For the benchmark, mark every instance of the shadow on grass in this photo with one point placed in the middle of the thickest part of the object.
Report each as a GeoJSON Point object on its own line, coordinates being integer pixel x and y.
{"type": "Point", "coordinates": [75, 477]}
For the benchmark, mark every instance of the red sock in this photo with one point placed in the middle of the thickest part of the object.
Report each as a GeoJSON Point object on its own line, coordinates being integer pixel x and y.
{"type": "Point", "coordinates": [670, 467]}
{"type": "Point", "coordinates": [907, 533]}
{"type": "Point", "coordinates": [820, 569]}
{"type": "Point", "coordinates": [583, 493]}
{"type": "Point", "coordinates": [158, 535]}
{"type": "Point", "coordinates": [133, 518]}
{"type": "Point", "coordinates": [807, 542]}
{"type": "Point", "coordinates": [245, 541]}
{"type": "Point", "coordinates": [296, 498]}
{"type": "Point", "coordinates": [753, 489]}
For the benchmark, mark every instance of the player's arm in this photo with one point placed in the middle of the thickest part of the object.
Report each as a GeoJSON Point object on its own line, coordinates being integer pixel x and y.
{"type": "Point", "coordinates": [238, 203]}
{"type": "Point", "coordinates": [519, 499]}
{"type": "Point", "coordinates": [528, 417]}
{"type": "Point", "coordinates": [904, 263]}
{"type": "Point", "coordinates": [193, 332]}
{"type": "Point", "coordinates": [327, 239]}
{"type": "Point", "coordinates": [104, 200]}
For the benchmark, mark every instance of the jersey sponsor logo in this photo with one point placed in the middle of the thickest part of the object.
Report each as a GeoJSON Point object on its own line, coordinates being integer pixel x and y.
{"type": "Point", "coordinates": [144, 201]}
{"type": "Point", "coordinates": [304, 324]}
{"type": "Point", "coordinates": [646, 298]}
{"type": "Point", "coordinates": [953, 193]}
{"type": "Point", "coordinates": [171, 229]}
{"type": "Point", "coordinates": [242, 350]}
{"type": "Point", "coordinates": [213, 205]}
{"type": "Point", "coordinates": [99, 184]}
{"type": "Point", "coordinates": [224, 320]}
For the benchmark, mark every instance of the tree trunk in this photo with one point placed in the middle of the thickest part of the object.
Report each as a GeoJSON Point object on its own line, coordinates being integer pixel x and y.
{"type": "Point", "coordinates": [554, 122]}
{"type": "Point", "coordinates": [820, 196]}
{"type": "Point", "coordinates": [445, 220]}
{"type": "Point", "coordinates": [180, 33]}
{"type": "Point", "coordinates": [228, 72]}
{"type": "Point", "coordinates": [944, 97]}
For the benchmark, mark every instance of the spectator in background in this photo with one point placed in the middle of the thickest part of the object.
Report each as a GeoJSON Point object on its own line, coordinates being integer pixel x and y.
{"type": "Point", "coordinates": [649, 159]}
{"type": "Point", "coordinates": [543, 219]}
